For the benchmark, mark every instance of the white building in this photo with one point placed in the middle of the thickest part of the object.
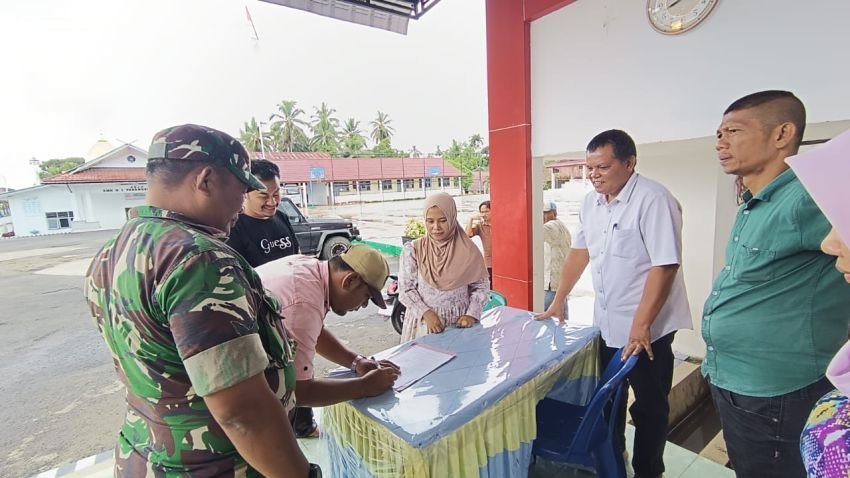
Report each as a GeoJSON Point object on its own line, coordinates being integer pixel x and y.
{"type": "Point", "coordinates": [96, 195]}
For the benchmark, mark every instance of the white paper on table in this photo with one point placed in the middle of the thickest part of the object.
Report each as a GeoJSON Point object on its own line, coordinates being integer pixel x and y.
{"type": "Point", "coordinates": [416, 362]}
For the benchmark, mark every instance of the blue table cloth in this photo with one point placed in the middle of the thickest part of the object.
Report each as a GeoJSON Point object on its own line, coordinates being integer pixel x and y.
{"type": "Point", "coordinates": [475, 415]}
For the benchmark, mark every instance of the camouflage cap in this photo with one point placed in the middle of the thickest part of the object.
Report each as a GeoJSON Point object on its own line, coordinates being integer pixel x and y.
{"type": "Point", "coordinates": [193, 142]}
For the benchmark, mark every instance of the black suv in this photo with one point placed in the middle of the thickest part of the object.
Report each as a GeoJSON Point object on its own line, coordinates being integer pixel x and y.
{"type": "Point", "coordinates": [323, 237]}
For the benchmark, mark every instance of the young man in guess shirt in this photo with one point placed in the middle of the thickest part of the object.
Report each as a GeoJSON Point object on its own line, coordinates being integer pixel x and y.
{"type": "Point", "coordinates": [262, 233]}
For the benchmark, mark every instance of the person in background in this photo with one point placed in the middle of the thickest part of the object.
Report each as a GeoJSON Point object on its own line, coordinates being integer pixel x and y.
{"type": "Point", "coordinates": [479, 225]}
{"type": "Point", "coordinates": [307, 290]}
{"type": "Point", "coordinates": [443, 281]}
{"type": "Point", "coordinates": [194, 338]}
{"type": "Point", "coordinates": [262, 233]}
{"type": "Point", "coordinates": [556, 246]}
{"type": "Point", "coordinates": [776, 313]}
{"type": "Point", "coordinates": [631, 235]}
{"type": "Point", "coordinates": [825, 442]}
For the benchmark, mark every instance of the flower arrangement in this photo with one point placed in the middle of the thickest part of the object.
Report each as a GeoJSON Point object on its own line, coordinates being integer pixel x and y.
{"type": "Point", "coordinates": [414, 229]}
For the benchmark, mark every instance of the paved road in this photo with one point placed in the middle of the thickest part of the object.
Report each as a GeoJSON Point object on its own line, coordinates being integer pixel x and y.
{"type": "Point", "coordinates": [61, 400]}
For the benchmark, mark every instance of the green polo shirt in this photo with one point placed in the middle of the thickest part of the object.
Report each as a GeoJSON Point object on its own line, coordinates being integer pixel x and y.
{"type": "Point", "coordinates": [779, 310]}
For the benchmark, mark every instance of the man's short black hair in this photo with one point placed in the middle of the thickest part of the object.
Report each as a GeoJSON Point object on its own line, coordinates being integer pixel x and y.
{"type": "Point", "coordinates": [779, 107]}
{"type": "Point", "coordinates": [265, 169]}
{"type": "Point", "coordinates": [338, 265]}
{"type": "Point", "coordinates": [171, 172]}
{"type": "Point", "coordinates": [620, 141]}
{"type": "Point", "coordinates": [485, 203]}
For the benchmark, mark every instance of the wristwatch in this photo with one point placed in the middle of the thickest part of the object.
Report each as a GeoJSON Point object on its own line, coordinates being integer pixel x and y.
{"type": "Point", "coordinates": [354, 362]}
{"type": "Point", "coordinates": [315, 471]}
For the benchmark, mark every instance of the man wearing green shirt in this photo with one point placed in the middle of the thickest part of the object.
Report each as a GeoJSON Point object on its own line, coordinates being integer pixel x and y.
{"type": "Point", "coordinates": [777, 312]}
{"type": "Point", "coordinates": [197, 343]}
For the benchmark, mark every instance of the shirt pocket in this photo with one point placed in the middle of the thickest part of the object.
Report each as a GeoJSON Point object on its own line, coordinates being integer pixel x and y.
{"type": "Point", "coordinates": [754, 264]}
{"type": "Point", "coordinates": [627, 243]}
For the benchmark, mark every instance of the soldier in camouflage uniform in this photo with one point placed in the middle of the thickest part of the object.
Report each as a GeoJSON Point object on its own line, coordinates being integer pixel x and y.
{"type": "Point", "coordinates": [194, 338]}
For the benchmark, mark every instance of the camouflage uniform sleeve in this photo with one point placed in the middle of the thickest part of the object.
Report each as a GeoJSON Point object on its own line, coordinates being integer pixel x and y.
{"type": "Point", "coordinates": [211, 312]}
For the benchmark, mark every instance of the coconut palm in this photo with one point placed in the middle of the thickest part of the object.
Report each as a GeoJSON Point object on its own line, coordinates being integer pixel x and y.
{"type": "Point", "coordinates": [249, 135]}
{"type": "Point", "coordinates": [353, 141]}
{"type": "Point", "coordinates": [287, 127]}
{"type": "Point", "coordinates": [325, 130]}
{"type": "Point", "coordinates": [381, 129]}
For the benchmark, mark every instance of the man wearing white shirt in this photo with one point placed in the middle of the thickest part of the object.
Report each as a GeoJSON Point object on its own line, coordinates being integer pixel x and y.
{"type": "Point", "coordinates": [630, 233]}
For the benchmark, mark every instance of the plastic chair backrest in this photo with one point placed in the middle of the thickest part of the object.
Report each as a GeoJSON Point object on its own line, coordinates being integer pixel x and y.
{"type": "Point", "coordinates": [590, 434]}
{"type": "Point", "coordinates": [496, 300]}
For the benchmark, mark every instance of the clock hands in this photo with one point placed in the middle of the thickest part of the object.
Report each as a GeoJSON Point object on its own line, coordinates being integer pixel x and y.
{"type": "Point", "coordinates": [676, 2]}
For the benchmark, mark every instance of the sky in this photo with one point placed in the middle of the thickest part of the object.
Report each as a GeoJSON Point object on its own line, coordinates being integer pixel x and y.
{"type": "Point", "coordinates": [124, 69]}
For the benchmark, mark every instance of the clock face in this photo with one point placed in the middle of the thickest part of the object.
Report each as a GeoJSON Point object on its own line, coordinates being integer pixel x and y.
{"type": "Point", "coordinates": [672, 17]}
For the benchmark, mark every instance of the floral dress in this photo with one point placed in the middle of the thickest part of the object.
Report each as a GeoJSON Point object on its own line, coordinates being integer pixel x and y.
{"type": "Point", "coordinates": [418, 296]}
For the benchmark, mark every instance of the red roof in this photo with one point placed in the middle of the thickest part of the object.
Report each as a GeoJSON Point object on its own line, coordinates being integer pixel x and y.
{"type": "Point", "coordinates": [288, 156]}
{"type": "Point", "coordinates": [321, 168]}
{"type": "Point", "coordinates": [99, 175]}
{"type": "Point", "coordinates": [354, 169]}
{"type": "Point", "coordinates": [566, 163]}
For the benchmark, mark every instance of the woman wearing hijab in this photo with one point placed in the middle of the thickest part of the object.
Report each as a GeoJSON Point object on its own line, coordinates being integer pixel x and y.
{"type": "Point", "coordinates": [443, 279]}
{"type": "Point", "coordinates": [825, 442]}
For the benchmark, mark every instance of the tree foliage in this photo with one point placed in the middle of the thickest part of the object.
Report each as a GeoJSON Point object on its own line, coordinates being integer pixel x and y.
{"type": "Point", "coordinates": [352, 140]}
{"type": "Point", "coordinates": [468, 156]}
{"type": "Point", "coordinates": [52, 167]}
{"type": "Point", "coordinates": [381, 129]}
{"type": "Point", "coordinates": [325, 128]}
{"type": "Point", "coordinates": [288, 131]}
{"type": "Point", "coordinates": [287, 128]}
{"type": "Point", "coordinates": [249, 135]}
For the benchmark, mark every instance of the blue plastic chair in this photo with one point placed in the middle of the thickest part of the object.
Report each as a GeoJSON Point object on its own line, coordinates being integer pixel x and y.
{"type": "Point", "coordinates": [584, 436]}
{"type": "Point", "coordinates": [496, 299]}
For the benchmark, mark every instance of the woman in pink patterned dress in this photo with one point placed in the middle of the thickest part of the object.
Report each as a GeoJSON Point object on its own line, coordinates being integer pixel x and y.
{"type": "Point", "coordinates": [443, 280]}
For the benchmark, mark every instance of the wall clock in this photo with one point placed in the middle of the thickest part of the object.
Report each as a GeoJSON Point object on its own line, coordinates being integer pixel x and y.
{"type": "Point", "coordinates": [672, 17]}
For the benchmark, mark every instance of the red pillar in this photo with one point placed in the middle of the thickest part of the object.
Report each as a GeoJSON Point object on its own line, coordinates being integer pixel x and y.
{"type": "Point", "coordinates": [509, 98]}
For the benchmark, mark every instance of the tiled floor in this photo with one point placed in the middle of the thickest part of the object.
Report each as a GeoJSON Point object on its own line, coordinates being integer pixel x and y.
{"type": "Point", "coordinates": [680, 463]}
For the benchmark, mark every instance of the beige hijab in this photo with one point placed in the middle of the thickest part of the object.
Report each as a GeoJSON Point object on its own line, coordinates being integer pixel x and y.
{"type": "Point", "coordinates": [452, 262]}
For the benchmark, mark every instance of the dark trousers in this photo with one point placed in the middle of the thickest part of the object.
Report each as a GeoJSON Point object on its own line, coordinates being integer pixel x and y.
{"type": "Point", "coordinates": [763, 433]}
{"type": "Point", "coordinates": [651, 381]}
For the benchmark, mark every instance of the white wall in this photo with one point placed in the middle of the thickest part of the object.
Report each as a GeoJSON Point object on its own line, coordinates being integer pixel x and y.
{"type": "Point", "coordinates": [29, 208]}
{"type": "Point", "coordinates": [597, 64]}
{"type": "Point", "coordinates": [118, 158]}
{"type": "Point", "coordinates": [103, 206]}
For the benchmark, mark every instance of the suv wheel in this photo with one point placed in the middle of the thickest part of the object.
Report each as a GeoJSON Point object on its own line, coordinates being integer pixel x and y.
{"type": "Point", "coordinates": [334, 246]}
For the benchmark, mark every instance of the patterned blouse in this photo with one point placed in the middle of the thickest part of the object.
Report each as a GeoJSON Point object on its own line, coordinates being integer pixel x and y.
{"type": "Point", "coordinates": [825, 443]}
{"type": "Point", "coordinates": [418, 296]}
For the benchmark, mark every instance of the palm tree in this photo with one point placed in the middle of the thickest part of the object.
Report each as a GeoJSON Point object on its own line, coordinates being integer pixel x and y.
{"type": "Point", "coordinates": [325, 134]}
{"type": "Point", "coordinates": [287, 127]}
{"type": "Point", "coordinates": [415, 153]}
{"type": "Point", "coordinates": [381, 129]}
{"type": "Point", "coordinates": [249, 135]}
{"type": "Point", "coordinates": [353, 141]}
{"type": "Point", "coordinates": [476, 141]}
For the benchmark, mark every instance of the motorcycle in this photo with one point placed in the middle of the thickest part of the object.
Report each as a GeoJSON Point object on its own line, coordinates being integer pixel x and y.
{"type": "Point", "coordinates": [397, 309]}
